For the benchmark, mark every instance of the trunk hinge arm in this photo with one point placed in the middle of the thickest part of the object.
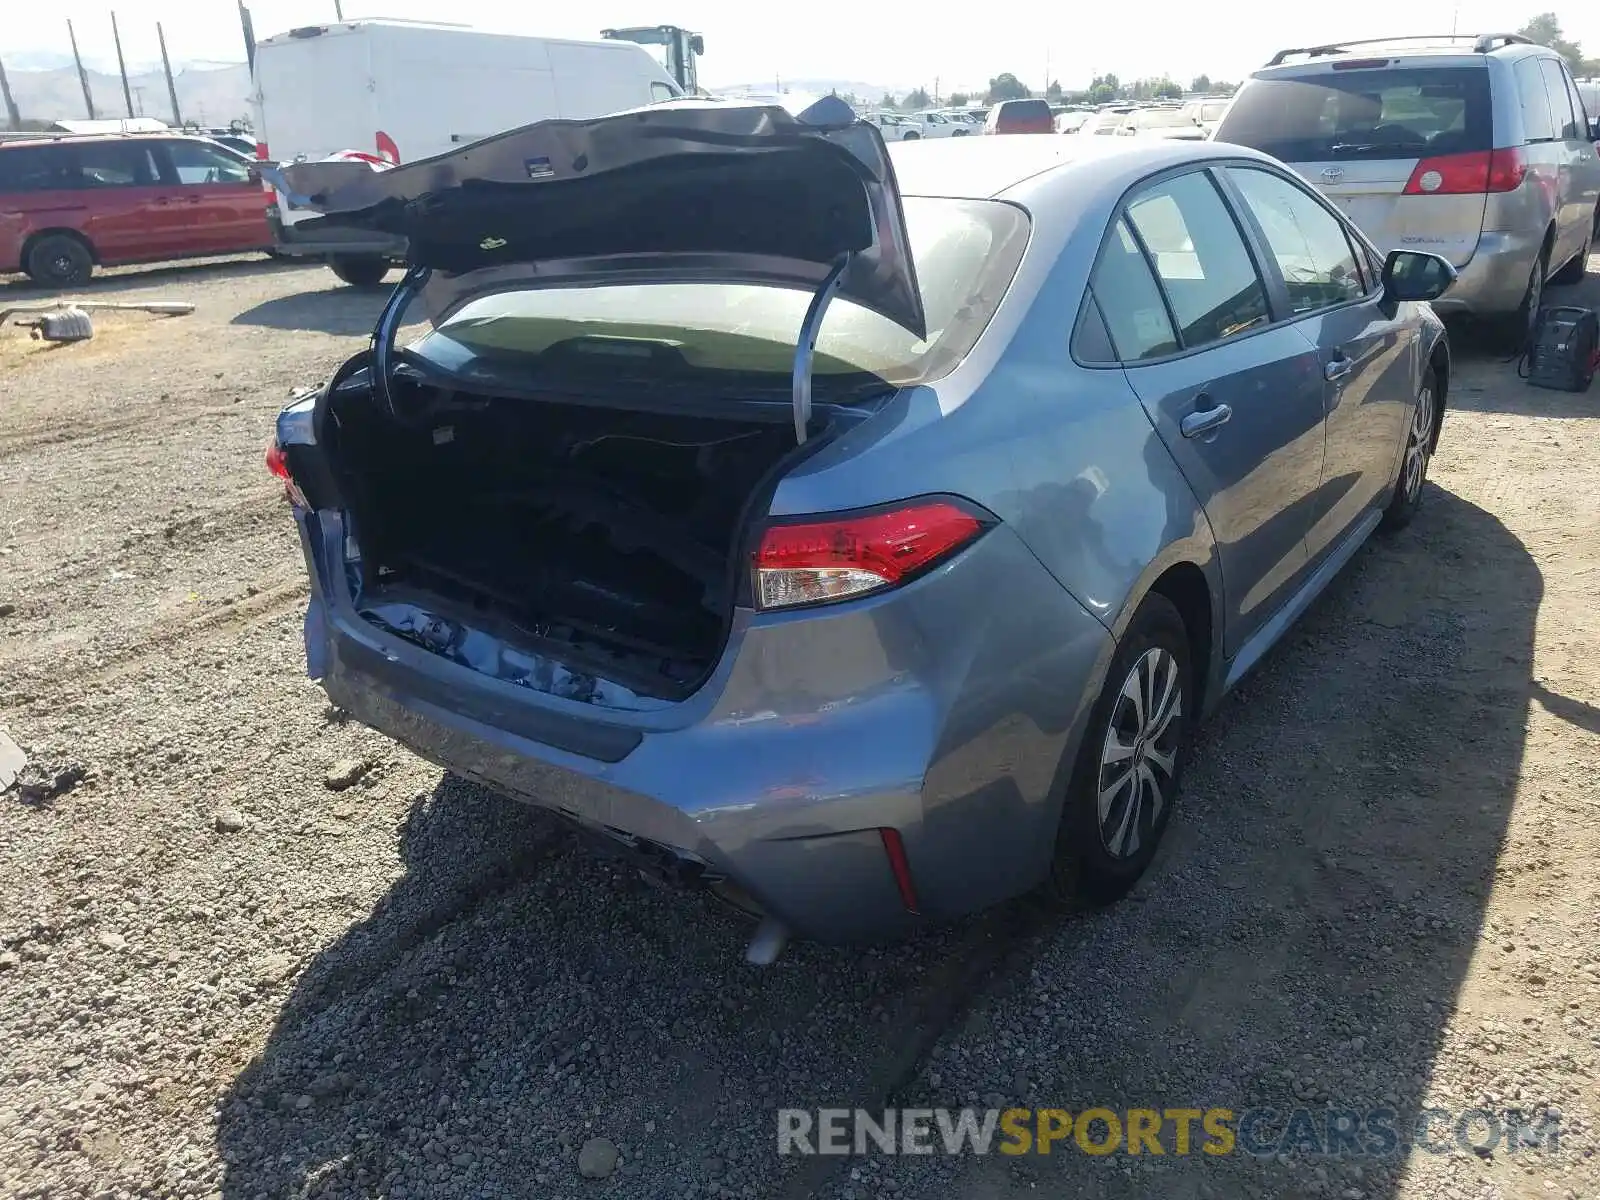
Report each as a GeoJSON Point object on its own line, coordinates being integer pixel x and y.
{"type": "Point", "coordinates": [388, 325]}
{"type": "Point", "coordinates": [805, 352]}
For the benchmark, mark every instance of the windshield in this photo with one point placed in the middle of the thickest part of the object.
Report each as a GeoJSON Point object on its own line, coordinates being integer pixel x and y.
{"type": "Point", "coordinates": [1213, 110]}
{"type": "Point", "coordinates": [966, 252]}
{"type": "Point", "coordinates": [1363, 114]}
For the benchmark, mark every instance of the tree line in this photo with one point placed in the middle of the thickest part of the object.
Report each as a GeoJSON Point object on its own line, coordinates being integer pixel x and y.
{"type": "Point", "coordinates": [1545, 29]}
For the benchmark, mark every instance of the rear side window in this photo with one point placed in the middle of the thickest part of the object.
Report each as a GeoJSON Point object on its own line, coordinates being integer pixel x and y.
{"type": "Point", "coordinates": [1200, 259]}
{"type": "Point", "coordinates": [1135, 315]}
{"type": "Point", "coordinates": [1307, 241]}
{"type": "Point", "coordinates": [1363, 114]}
{"type": "Point", "coordinates": [1537, 125]}
{"type": "Point", "coordinates": [114, 164]}
{"type": "Point", "coordinates": [35, 169]}
{"type": "Point", "coordinates": [1555, 81]}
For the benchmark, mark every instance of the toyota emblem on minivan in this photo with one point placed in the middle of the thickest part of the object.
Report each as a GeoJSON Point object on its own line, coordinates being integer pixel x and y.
{"type": "Point", "coordinates": [1332, 174]}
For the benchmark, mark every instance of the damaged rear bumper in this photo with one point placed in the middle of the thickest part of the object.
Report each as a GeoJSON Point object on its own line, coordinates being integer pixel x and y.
{"type": "Point", "coordinates": [927, 711]}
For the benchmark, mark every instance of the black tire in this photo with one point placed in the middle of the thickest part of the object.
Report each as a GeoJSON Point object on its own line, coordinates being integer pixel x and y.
{"type": "Point", "coordinates": [1422, 437]}
{"type": "Point", "coordinates": [1092, 865]}
{"type": "Point", "coordinates": [59, 260]}
{"type": "Point", "coordinates": [1517, 327]}
{"type": "Point", "coordinates": [359, 270]}
{"type": "Point", "coordinates": [912, 137]}
{"type": "Point", "coordinates": [1575, 270]}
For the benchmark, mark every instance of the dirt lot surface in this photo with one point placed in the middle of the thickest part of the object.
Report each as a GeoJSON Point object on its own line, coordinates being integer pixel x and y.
{"type": "Point", "coordinates": [248, 949]}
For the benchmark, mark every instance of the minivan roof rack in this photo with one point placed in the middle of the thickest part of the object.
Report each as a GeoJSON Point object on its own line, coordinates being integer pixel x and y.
{"type": "Point", "coordinates": [1482, 43]}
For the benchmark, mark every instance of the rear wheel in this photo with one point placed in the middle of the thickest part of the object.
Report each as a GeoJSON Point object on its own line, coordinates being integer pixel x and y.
{"type": "Point", "coordinates": [359, 270]}
{"type": "Point", "coordinates": [1130, 764]}
{"type": "Point", "coordinates": [1518, 326]}
{"type": "Point", "coordinates": [59, 260]}
{"type": "Point", "coordinates": [1407, 498]}
{"type": "Point", "coordinates": [912, 137]}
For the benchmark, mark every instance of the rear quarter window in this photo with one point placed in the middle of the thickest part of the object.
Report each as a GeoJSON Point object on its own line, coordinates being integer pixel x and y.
{"type": "Point", "coordinates": [1363, 114]}
{"type": "Point", "coordinates": [35, 169]}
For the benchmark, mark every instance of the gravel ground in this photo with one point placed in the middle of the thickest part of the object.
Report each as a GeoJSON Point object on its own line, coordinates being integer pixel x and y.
{"type": "Point", "coordinates": [249, 949]}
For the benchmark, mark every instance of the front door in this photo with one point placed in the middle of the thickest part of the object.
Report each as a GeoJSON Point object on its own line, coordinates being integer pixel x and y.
{"type": "Point", "coordinates": [1236, 400]}
{"type": "Point", "coordinates": [1364, 351]}
{"type": "Point", "coordinates": [210, 193]}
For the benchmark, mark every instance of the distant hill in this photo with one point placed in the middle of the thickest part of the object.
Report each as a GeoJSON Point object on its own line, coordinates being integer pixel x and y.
{"type": "Point", "coordinates": [210, 95]}
{"type": "Point", "coordinates": [867, 92]}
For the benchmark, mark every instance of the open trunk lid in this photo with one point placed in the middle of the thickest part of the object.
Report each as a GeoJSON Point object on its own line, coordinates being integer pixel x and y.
{"type": "Point", "coordinates": [686, 191]}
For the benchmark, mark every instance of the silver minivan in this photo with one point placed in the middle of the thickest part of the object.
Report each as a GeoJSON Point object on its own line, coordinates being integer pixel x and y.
{"type": "Point", "coordinates": [1478, 149]}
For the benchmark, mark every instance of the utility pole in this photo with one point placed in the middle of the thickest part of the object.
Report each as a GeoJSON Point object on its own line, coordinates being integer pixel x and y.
{"type": "Point", "coordinates": [12, 115]}
{"type": "Point", "coordinates": [338, 10]}
{"type": "Point", "coordinates": [83, 76]}
{"type": "Point", "coordinates": [936, 89]}
{"type": "Point", "coordinates": [172, 88]}
{"type": "Point", "coordinates": [247, 27]}
{"type": "Point", "coordinates": [122, 66]}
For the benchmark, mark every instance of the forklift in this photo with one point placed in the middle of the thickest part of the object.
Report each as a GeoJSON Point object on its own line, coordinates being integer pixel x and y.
{"type": "Point", "coordinates": [682, 46]}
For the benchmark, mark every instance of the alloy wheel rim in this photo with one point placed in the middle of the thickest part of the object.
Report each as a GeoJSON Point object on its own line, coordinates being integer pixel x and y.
{"type": "Point", "coordinates": [1419, 443]}
{"type": "Point", "coordinates": [1139, 758]}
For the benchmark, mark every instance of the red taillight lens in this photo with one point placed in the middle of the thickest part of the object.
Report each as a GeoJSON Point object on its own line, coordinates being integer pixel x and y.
{"type": "Point", "coordinates": [1464, 174]}
{"type": "Point", "coordinates": [831, 560]}
{"type": "Point", "coordinates": [895, 850]}
{"type": "Point", "coordinates": [278, 464]}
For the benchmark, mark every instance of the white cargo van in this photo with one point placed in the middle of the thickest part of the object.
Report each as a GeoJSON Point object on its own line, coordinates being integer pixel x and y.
{"type": "Point", "coordinates": [403, 90]}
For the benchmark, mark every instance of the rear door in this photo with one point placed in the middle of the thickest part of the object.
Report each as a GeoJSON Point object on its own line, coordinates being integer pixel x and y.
{"type": "Point", "coordinates": [211, 198]}
{"type": "Point", "coordinates": [1356, 130]}
{"type": "Point", "coordinates": [1365, 348]}
{"type": "Point", "coordinates": [1236, 400]}
{"type": "Point", "coordinates": [120, 191]}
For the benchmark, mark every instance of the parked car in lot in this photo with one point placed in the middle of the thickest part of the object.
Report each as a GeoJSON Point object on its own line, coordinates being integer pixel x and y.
{"type": "Point", "coordinates": [940, 125]}
{"type": "Point", "coordinates": [71, 203]}
{"type": "Point", "coordinates": [894, 127]}
{"type": "Point", "coordinates": [1206, 111]}
{"type": "Point", "coordinates": [887, 621]}
{"type": "Point", "coordinates": [1105, 122]}
{"type": "Point", "coordinates": [1020, 116]}
{"type": "Point", "coordinates": [1172, 123]}
{"type": "Point", "coordinates": [1480, 150]}
{"type": "Point", "coordinates": [1071, 121]}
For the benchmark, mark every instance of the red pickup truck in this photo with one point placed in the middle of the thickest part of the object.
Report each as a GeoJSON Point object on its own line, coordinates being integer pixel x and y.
{"type": "Point", "coordinates": [69, 203]}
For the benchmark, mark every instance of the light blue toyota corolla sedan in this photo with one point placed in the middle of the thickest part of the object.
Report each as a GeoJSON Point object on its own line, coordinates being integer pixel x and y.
{"type": "Point", "coordinates": [857, 534]}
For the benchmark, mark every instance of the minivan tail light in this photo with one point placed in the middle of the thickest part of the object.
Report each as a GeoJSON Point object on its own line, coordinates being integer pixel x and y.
{"type": "Point", "coordinates": [814, 561]}
{"type": "Point", "coordinates": [1476, 171]}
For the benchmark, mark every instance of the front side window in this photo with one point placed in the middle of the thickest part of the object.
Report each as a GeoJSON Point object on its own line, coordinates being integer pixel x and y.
{"type": "Point", "coordinates": [1307, 241]}
{"type": "Point", "coordinates": [1200, 258]}
{"type": "Point", "coordinates": [197, 164]}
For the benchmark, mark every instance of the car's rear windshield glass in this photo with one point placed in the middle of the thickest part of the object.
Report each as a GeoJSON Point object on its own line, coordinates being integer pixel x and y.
{"type": "Point", "coordinates": [966, 252]}
{"type": "Point", "coordinates": [1356, 114]}
{"type": "Point", "coordinates": [1025, 110]}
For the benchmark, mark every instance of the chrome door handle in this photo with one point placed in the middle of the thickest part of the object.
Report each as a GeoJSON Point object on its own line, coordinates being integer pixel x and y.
{"type": "Point", "coordinates": [1197, 424]}
{"type": "Point", "coordinates": [1337, 369]}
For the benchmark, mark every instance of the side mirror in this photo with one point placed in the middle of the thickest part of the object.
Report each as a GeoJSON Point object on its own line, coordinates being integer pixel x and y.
{"type": "Point", "coordinates": [1416, 275]}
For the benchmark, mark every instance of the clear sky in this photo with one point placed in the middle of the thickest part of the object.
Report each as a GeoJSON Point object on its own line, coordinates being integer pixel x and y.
{"type": "Point", "coordinates": [961, 43]}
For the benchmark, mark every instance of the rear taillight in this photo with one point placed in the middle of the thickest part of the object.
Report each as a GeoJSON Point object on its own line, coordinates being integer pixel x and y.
{"type": "Point", "coordinates": [820, 560]}
{"type": "Point", "coordinates": [1464, 174]}
{"type": "Point", "coordinates": [278, 464]}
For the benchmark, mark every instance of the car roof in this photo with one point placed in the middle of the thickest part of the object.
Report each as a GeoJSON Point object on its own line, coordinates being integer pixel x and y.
{"type": "Point", "coordinates": [77, 139]}
{"type": "Point", "coordinates": [1028, 168]}
{"type": "Point", "coordinates": [1430, 52]}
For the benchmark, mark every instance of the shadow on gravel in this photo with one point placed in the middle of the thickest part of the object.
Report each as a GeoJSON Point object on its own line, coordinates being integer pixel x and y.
{"type": "Point", "coordinates": [126, 279]}
{"type": "Point", "coordinates": [512, 996]}
{"type": "Point", "coordinates": [1303, 939]}
{"type": "Point", "coordinates": [336, 308]}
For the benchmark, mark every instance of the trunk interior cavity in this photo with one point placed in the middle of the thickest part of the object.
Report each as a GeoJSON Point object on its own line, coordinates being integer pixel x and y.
{"type": "Point", "coordinates": [578, 550]}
